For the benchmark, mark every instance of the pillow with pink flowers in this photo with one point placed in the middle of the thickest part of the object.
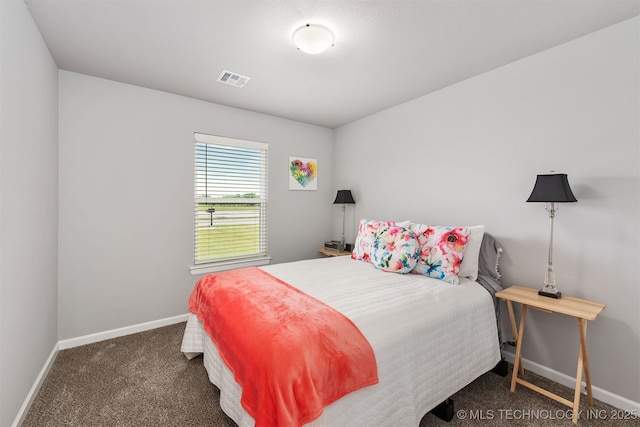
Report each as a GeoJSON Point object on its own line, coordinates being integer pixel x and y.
{"type": "Point", "coordinates": [364, 241]}
{"type": "Point", "coordinates": [395, 249]}
{"type": "Point", "coordinates": [441, 251]}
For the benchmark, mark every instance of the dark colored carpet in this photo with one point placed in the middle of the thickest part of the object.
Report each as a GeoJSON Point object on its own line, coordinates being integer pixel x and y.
{"type": "Point", "coordinates": [143, 380]}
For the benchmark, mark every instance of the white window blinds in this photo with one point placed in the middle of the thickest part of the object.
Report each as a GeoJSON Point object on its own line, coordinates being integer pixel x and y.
{"type": "Point", "coordinates": [230, 203]}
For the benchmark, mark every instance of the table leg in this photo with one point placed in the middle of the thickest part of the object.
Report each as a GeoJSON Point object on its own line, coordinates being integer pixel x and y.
{"type": "Point", "coordinates": [517, 364]}
{"type": "Point", "coordinates": [582, 327]}
{"type": "Point", "coordinates": [514, 328]}
{"type": "Point", "coordinates": [583, 364]}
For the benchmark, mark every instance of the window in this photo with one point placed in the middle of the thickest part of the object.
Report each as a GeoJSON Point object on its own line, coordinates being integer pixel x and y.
{"type": "Point", "coordinates": [230, 203]}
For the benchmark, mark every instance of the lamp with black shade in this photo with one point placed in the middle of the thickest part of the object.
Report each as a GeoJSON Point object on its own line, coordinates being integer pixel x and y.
{"type": "Point", "coordinates": [551, 189]}
{"type": "Point", "coordinates": [343, 197]}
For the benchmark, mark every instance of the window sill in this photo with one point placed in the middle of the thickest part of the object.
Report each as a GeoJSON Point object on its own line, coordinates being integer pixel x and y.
{"type": "Point", "coordinates": [228, 265]}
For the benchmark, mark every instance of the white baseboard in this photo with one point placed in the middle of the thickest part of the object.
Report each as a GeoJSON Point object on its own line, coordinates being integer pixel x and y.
{"type": "Point", "coordinates": [87, 339]}
{"type": "Point", "coordinates": [568, 381]}
{"type": "Point", "coordinates": [120, 332]}
{"type": "Point", "coordinates": [35, 387]}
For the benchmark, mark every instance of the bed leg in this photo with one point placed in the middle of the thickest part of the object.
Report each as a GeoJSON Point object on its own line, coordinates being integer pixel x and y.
{"type": "Point", "coordinates": [501, 368]}
{"type": "Point", "coordinates": [444, 411]}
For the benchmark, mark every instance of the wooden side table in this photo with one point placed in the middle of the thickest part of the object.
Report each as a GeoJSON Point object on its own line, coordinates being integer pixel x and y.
{"type": "Point", "coordinates": [328, 253]}
{"type": "Point", "coordinates": [582, 310]}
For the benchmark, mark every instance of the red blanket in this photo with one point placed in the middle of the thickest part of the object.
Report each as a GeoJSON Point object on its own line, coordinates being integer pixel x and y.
{"type": "Point", "coordinates": [291, 354]}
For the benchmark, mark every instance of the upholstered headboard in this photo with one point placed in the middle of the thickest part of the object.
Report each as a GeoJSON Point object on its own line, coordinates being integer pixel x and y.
{"type": "Point", "coordinates": [489, 272]}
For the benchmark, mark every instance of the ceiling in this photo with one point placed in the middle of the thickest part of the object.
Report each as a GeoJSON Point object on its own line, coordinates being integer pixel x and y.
{"type": "Point", "coordinates": [386, 52]}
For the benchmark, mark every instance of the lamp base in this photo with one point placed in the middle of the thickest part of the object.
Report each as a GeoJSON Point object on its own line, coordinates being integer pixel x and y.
{"type": "Point", "coordinates": [556, 295]}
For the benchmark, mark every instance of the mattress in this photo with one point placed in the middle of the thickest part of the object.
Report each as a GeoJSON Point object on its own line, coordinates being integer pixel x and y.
{"type": "Point", "coordinates": [430, 339]}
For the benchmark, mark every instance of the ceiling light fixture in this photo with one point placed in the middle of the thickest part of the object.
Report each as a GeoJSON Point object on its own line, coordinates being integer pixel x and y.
{"type": "Point", "coordinates": [313, 39]}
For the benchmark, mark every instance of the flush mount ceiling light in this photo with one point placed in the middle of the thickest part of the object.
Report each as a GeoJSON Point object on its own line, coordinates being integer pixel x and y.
{"type": "Point", "coordinates": [313, 39]}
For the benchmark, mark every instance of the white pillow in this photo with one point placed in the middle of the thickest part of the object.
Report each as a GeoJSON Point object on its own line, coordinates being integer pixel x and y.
{"type": "Point", "coordinates": [471, 258]}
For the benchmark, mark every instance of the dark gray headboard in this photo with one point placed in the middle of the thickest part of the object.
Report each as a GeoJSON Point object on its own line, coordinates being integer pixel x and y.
{"type": "Point", "coordinates": [489, 273]}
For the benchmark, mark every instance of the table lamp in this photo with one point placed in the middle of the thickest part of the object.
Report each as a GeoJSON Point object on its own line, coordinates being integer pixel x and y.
{"type": "Point", "coordinates": [343, 197]}
{"type": "Point", "coordinates": [551, 189]}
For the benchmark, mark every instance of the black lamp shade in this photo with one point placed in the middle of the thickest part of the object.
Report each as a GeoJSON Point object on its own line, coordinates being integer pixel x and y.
{"type": "Point", "coordinates": [552, 188]}
{"type": "Point", "coordinates": [343, 196]}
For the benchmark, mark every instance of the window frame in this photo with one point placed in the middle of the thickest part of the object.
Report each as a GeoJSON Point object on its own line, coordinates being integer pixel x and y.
{"type": "Point", "coordinates": [261, 257]}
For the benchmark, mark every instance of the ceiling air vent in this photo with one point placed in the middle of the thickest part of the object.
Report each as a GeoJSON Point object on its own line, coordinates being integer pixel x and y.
{"type": "Point", "coordinates": [233, 79]}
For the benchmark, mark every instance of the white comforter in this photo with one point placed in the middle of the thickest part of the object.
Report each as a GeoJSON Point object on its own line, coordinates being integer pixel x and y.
{"type": "Point", "coordinates": [430, 339]}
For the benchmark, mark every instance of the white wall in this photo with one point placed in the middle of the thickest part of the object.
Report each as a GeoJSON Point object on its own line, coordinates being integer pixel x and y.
{"type": "Point", "coordinates": [469, 154]}
{"type": "Point", "coordinates": [126, 198]}
{"type": "Point", "coordinates": [28, 206]}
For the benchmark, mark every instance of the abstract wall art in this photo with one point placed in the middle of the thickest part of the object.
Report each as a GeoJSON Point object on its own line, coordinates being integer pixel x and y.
{"type": "Point", "coordinates": [303, 173]}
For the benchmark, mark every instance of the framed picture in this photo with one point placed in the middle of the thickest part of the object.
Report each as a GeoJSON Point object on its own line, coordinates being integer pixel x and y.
{"type": "Point", "coordinates": [303, 173]}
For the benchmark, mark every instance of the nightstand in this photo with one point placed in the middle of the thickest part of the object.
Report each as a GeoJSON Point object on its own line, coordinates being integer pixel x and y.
{"type": "Point", "coordinates": [582, 310]}
{"type": "Point", "coordinates": [327, 253]}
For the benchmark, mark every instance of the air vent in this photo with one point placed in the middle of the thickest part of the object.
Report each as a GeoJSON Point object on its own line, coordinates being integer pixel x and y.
{"type": "Point", "coordinates": [233, 79]}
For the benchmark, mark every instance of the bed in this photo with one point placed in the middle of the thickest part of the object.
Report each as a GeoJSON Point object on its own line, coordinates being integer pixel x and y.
{"type": "Point", "coordinates": [430, 338]}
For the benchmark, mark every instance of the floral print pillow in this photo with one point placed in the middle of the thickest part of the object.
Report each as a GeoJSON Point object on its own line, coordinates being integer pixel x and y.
{"type": "Point", "coordinates": [395, 249]}
{"type": "Point", "coordinates": [364, 241]}
{"type": "Point", "coordinates": [441, 251]}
